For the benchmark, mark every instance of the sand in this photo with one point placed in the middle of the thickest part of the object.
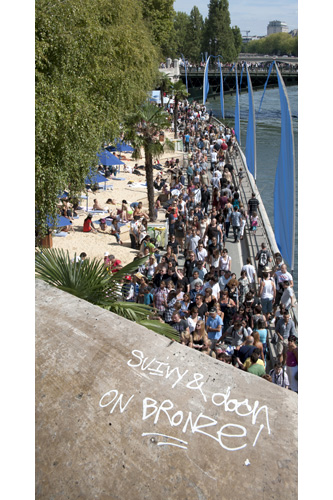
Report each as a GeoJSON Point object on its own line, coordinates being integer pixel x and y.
{"type": "Point", "coordinates": [96, 244]}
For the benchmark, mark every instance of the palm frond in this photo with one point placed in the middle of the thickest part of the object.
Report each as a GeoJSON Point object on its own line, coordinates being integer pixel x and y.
{"type": "Point", "coordinates": [160, 328]}
{"type": "Point", "coordinates": [131, 310]}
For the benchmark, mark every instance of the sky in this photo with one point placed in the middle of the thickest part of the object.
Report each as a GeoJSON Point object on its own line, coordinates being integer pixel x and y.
{"type": "Point", "coordinates": [253, 15]}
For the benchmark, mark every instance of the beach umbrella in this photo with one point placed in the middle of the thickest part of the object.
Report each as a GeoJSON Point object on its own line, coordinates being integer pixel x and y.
{"type": "Point", "coordinates": [121, 147]}
{"type": "Point", "coordinates": [108, 159]}
{"type": "Point", "coordinates": [58, 222]}
{"type": "Point", "coordinates": [95, 177]}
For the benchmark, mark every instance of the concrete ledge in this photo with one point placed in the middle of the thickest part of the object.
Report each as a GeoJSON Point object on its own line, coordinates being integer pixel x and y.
{"type": "Point", "coordinates": [123, 413]}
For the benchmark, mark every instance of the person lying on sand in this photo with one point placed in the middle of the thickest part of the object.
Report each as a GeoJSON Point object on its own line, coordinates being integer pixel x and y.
{"type": "Point", "coordinates": [96, 205]}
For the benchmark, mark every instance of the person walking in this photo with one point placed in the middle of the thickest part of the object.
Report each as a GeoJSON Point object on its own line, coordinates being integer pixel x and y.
{"type": "Point", "coordinates": [236, 218]}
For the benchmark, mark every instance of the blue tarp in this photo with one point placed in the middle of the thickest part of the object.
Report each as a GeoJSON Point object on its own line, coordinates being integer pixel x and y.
{"type": "Point", "coordinates": [108, 159]}
{"type": "Point", "coordinates": [284, 190]}
{"type": "Point", "coordinates": [58, 222]}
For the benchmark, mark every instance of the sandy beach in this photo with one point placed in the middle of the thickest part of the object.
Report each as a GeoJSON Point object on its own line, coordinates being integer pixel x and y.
{"type": "Point", "coordinates": [96, 244]}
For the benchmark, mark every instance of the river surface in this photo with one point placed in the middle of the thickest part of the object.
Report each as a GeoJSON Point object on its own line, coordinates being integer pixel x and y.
{"type": "Point", "coordinates": [268, 131]}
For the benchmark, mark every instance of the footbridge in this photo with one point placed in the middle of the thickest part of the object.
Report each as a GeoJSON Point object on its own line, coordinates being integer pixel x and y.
{"type": "Point", "coordinates": [258, 79]}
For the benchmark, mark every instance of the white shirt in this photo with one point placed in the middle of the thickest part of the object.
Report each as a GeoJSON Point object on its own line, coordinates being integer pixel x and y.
{"type": "Point", "coordinates": [201, 254]}
{"type": "Point", "coordinates": [250, 271]}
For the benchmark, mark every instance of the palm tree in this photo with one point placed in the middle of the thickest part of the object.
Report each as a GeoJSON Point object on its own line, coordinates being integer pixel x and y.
{"type": "Point", "coordinates": [90, 280]}
{"type": "Point", "coordinates": [165, 85]}
{"type": "Point", "coordinates": [179, 92]}
{"type": "Point", "coordinates": [142, 128]}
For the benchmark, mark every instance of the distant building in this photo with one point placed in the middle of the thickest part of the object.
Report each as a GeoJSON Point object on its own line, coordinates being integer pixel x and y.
{"type": "Point", "coordinates": [293, 32]}
{"type": "Point", "coordinates": [247, 39]}
{"type": "Point", "coordinates": [276, 27]}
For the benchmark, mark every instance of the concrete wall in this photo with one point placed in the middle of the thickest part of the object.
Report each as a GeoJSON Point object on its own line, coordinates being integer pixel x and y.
{"type": "Point", "coordinates": [123, 413]}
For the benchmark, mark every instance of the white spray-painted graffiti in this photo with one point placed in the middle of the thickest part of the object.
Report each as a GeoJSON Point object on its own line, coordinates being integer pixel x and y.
{"type": "Point", "coordinates": [152, 410]}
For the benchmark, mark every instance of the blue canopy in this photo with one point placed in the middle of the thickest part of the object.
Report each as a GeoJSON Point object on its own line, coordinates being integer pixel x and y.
{"type": "Point", "coordinates": [95, 177]}
{"type": "Point", "coordinates": [58, 222]}
{"type": "Point", "coordinates": [121, 147]}
{"type": "Point", "coordinates": [108, 159]}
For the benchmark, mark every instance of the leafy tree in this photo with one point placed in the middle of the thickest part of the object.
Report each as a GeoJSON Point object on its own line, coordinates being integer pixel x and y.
{"type": "Point", "coordinates": [217, 26]}
{"type": "Point", "coordinates": [142, 128]}
{"type": "Point", "coordinates": [89, 280]}
{"type": "Point", "coordinates": [179, 92]}
{"type": "Point", "coordinates": [194, 35]}
{"type": "Point", "coordinates": [165, 85]}
{"type": "Point", "coordinates": [238, 41]}
{"type": "Point", "coordinates": [88, 75]}
{"type": "Point", "coordinates": [181, 29]}
{"type": "Point", "coordinates": [159, 15]}
{"type": "Point", "coordinates": [275, 44]}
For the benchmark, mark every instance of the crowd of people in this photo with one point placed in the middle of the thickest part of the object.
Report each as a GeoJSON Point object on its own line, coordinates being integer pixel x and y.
{"type": "Point", "coordinates": [192, 286]}
{"type": "Point", "coordinates": [213, 310]}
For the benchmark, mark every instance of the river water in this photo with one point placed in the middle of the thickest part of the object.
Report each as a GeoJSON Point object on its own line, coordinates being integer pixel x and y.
{"type": "Point", "coordinates": [268, 131]}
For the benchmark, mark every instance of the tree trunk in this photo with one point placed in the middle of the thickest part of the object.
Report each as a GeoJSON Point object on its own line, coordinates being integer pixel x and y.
{"type": "Point", "coordinates": [175, 117]}
{"type": "Point", "coordinates": [162, 102]}
{"type": "Point", "coordinates": [150, 184]}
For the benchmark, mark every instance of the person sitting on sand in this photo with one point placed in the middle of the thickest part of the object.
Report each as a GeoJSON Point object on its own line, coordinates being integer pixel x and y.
{"type": "Point", "coordinates": [102, 224]}
{"type": "Point", "coordinates": [96, 206]}
{"type": "Point", "coordinates": [138, 211]}
{"type": "Point", "coordinates": [88, 225]}
{"type": "Point", "coordinates": [126, 213]}
{"type": "Point", "coordinates": [128, 169]}
{"type": "Point", "coordinates": [115, 231]}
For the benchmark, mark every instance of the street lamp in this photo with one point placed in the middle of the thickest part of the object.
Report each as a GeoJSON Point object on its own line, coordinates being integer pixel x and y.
{"type": "Point", "coordinates": [210, 44]}
{"type": "Point", "coordinates": [215, 40]}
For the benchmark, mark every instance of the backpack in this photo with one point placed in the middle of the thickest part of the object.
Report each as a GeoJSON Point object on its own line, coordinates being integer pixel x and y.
{"type": "Point", "coordinates": [263, 259]}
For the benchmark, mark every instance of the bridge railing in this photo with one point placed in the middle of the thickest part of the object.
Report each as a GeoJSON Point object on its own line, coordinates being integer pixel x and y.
{"type": "Point", "coordinates": [253, 242]}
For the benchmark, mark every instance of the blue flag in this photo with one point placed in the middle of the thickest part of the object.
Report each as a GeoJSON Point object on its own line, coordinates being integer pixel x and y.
{"type": "Point", "coordinates": [250, 150]}
{"type": "Point", "coordinates": [262, 98]}
{"type": "Point", "coordinates": [221, 91]}
{"type": "Point", "coordinates": [284, 189]}
{"type": "Point", "coordinates": [237, 113]}
{"type": "Point", "coordinates": [205, 83]}
{"type": "Point", "coordinates": [241, 78]}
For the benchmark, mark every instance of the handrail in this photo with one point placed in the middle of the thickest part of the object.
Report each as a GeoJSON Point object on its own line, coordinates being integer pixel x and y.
{"type": "Point", "coordinates": [265, 222]}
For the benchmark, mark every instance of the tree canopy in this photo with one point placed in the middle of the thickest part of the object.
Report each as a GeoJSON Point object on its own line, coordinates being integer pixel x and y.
{"type": "Point", "coordinates": [159, 16]}
{"type": "Point", "coordinates": [195, 36]}
{"type": "Point", "coordinates": [275, 44]}
{"type": "Point", "coordinates": [88, 76]}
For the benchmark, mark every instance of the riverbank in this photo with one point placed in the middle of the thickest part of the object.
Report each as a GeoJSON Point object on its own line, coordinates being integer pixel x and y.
{"type": "Point", "coordinates": [96, 244]}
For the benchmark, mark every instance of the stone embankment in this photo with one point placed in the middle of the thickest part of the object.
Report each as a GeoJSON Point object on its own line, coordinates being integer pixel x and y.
{"type": "Point", "coordinates": [122, 413]}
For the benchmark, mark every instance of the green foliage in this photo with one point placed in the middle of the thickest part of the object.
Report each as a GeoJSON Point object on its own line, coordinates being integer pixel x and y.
{"type": "Point", "coordinates": [94, 62]}
{"type": "Point", "coordinates": [179, 93]}
{"type": "Point", "coordinates": [142, 128]}
{"type": "Point", "coordinates": [238, 41]}
{"type": "Point", "coordinates": [275, 44]}
{"type": "Point", "coordinates": [158, 16]}
{"type": "Point", "coordinates": [217, 26]}
{"type": "Point", "coordinates": [164, 84]}
{"type": "Point", "coordinates": [181, 29]}
{"type": "Point", "coordinates": [89, 280]}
